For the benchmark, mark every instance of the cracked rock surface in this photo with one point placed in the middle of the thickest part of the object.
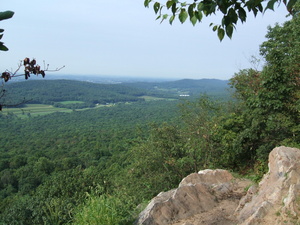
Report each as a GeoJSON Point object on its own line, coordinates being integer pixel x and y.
{"type": "Point", "coordinates": [215, 197]}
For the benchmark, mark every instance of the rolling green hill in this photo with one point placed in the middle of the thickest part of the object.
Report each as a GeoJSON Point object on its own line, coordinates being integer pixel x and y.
{"type": "Point", "coordinates": [186, 86]}
{"type": "Point", "coordinates": [56, 91]}
{"type": "Point", "coordinates": [80, 94]}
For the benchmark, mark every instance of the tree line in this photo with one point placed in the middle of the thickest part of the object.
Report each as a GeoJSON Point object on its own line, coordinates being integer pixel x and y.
{"type": "Point", "coordinates": [55, 91]}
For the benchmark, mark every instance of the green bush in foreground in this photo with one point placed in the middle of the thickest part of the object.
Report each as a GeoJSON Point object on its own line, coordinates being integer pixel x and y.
{"type": "Point", "coordinates": [105, 209]}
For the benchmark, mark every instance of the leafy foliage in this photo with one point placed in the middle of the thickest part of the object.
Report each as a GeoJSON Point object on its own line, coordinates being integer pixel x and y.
{"type": "Point", "coordinates": [98, 165]}
{"type": "Point", "coordinates": [46, 173]}
{"type": "Point", "coordinates": [271, 97]}
{"type": "Point", "coordinates": [4, 16]}
{"type": "Point", "coordinates": [103, 209]}
{"type": "Point", "coordinates": [161, 160]}
{"type": "Point", "coordinates": [200, 117]}
{"type": "Point", "coordinates": [154, 164]}
{"type": "Point", "coordinates": [232, 11]}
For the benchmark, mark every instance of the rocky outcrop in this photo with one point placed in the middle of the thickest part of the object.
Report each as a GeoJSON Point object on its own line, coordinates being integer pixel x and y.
{"type": "Point", "coordinates": [206, 191]}
{"type": "Point", "coordinates": [277, 200]}
{"type": "Point", "coordinates": [216, 197]}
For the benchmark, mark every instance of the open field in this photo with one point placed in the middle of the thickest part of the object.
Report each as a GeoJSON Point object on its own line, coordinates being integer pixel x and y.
{"type": "Point", "coordinates": [34, 110]}
{"type": "Point", "coordinates": [42, 109]}
{"type": "Point", "coordinates": [151, 98]}
{"type": "Point", "coordinates": [70, 102]}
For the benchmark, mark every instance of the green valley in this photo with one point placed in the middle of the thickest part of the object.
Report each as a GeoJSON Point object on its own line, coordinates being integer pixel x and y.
{"type": "Point", "coordinates": [75, 132]}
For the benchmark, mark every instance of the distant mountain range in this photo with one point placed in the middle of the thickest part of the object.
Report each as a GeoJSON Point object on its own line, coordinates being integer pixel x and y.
{"type": "Point", "coordinates": [186, 86]}
{"type": "Point", "coordinates": [51, 91]}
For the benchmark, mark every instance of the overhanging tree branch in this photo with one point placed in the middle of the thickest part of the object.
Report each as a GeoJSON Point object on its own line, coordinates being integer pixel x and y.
{"type": "Point", "coordinates": [231, 10]}
{"type": "Point", "coordinates": [30, 67]}
{"type": "Point", "coordinates": [4, 16]}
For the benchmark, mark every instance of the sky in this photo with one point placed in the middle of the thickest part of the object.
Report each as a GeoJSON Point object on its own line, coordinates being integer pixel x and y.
{"type": "Point", "coordinates": [122, 38]}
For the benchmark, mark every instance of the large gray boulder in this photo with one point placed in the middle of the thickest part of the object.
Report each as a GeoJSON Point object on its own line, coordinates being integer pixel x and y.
{"type": "Point", "coordinates": [197, 193]}
{"type": "Point", "coordinates": [277, 200]}
{"type": "Point", "coordinates": [216, 197]}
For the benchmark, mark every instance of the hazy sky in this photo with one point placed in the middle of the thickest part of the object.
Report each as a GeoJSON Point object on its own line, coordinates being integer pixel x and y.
{"type": "Point", "coordinates": [122, 38]}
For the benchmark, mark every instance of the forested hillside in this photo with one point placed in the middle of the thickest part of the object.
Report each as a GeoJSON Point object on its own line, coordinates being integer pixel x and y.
{"type": "Point", "coordinates": [79, 94]}
{"type": "Point", "coordinates": [51, 161]}
{"type": "Point", "coordinates": [48, 162]}
{"type": "Point", "coordinates": [213, 87]}
{"type": "Point", "coordinates": [54, 91]}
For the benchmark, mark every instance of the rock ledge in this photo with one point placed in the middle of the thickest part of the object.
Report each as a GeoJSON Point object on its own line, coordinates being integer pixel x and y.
{"type": "Point", "coordinates": [216, 197]}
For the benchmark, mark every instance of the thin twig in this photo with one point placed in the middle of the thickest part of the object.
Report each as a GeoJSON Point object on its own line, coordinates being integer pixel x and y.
{"type": "Point", "coordinates": [19, 67]}
{"type": "Point", "coordinates": [17, 104]}
{"type": "Point", "coordinates": [57, 69]}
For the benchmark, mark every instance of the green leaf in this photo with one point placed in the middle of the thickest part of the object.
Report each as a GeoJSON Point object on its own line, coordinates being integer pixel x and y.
{"type": "Point", "coordinates": [255, 11]}
{"type": "Point", "coordinates": [221, 33]}
{"type": "Point", "coordinates": [215, 27]}
{"type": "Point", "coordinates": [199, 15]}
{"type": "Point", "coordinates": [171, 19]}
{"type": "Point", "coordinates": [200, 6]}
{"type": "Point", "coordinates": [165, 16]}
{"type": "Point", "coordinates": [191, 10]}
{"type": "Point", "coordinates": [193, 20]}
{"type": "Point", "coordinates": [183, 15]}
{"type": "Point", "coordinates": [211, 8]}
{"type": "Point", "coordinates": [290, 4]}
{"type": "Point", "coordinates": [1, 35]}
{"type": "Point", "coordinates": [6, 15]}
{"type": "Point", "coordinates": [227, 20]}
{"type": "Point", "coordinates": [183, 4]}
{"type": "Point", "coordinates": [3, 47]}
{"type": "Point", "coordinates": [146, 3]}
{"type": "Point", "coordinates": [156, 7]}
{"type": "Point", "coordinates": [174, 9]}
{"type": "Point", "coordinates": [242, 14]}
{"type": "Point", "coordinates": [270, 5]}
{"type": "Point", "coordinates": [223, 21]}
{"type": "Point", "coordinates": [169, 4]}
{"type": "Point", "coordinates": [260, 8]}
{"type": "Point", "coordinates": [229, 30]}
{"type": "Point", "coordinates": [223, 7]}
{"type": "Point", "coordinates": [232, 16]}
{"type": "Point", "coordinates": [1, 30]}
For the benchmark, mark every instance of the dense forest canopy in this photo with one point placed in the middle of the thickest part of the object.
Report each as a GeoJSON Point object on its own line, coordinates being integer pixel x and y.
{"type": "Point", "coordinates": [54, 91]}
{"type": "Point", "coordinates": [60, 147]}
{"type": "Point", "coordinates": [87, 94]}
{"type": "Point", "coordinates": [36, 151]}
